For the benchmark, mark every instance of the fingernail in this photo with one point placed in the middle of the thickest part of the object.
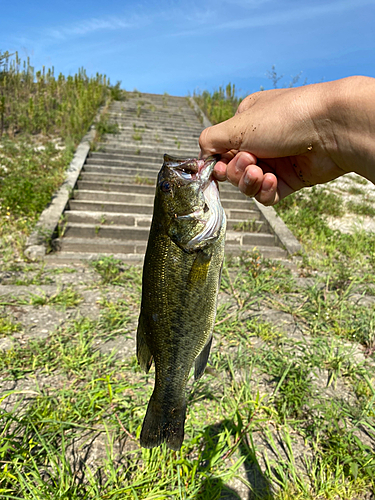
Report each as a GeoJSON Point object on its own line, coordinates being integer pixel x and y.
{"type": "Point", "coordinates": [248, 178]}
{"type": "Point", "coordinates": [241, 163]}
{"type": "Point", "coordinates": [267, 184]}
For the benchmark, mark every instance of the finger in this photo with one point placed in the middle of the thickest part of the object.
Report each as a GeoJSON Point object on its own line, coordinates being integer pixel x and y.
{"type": "Point", "coordinates": [239, 164]}
{"type": "Point", "coordinates": [220, 171]}
{"type": "Point", "coordinates": [268, 193]}
{"type": "Point", "coordinates": [251, 180]}
{"type": "Point", "coordinates": [223, 137]}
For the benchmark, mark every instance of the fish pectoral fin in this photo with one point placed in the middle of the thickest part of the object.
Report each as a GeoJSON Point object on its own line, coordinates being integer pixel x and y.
{"type": "Point", "coordinates": [144, 354]}
{"type": "Point", "coordinates": [199, 269]}
{"type": "Point", "coordinates": [201, 360]}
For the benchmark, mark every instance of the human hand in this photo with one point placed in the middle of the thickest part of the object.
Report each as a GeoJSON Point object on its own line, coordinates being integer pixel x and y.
{"type": "Point", "coordinates": [282, 140]}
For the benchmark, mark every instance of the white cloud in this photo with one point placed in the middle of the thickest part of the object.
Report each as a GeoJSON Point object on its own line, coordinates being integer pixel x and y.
{"type": "Point", "coordinates": [92, 25]}
{"type": "Point", "coordinates": [302, 12]}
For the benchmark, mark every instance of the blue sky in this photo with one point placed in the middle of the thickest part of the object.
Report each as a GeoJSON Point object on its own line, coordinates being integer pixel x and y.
{"type": "Point", "coordinates": [181, 47]}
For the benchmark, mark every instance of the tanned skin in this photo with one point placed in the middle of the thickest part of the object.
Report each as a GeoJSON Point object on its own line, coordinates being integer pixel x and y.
{"type": "Point", "coordinates": [282, 140]}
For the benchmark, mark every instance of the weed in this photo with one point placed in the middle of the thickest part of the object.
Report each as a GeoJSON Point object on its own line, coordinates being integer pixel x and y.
{"type": "Point", "coordinates": [139, 108]}
{"type": "Point", "coordinates": [104, 127]}
{"type": "Point", "coordinates": [7, 326]}
{"type": "Point", "coordinates": [108, 267]}
{"type": "Point", "coordinates": [114, 271]}
{"type": "Point", "coordinates": [115, 315]}
{"type": "Point", "coordinates": [361, 208]}
{"type": "Point", "coordinates": [42, 119]}
{"type": "Point", "coordinates": [220, 105]}
{"type": "Point", "coordinates": [138, 131]}
{"type": "Point", "coordinates": [116, 93]}
{"type": "Point", "coordinates": [248, 226]}
{"type": "Point", "coordinates": [140, 179]}
{"type": "Point", "coordinates": [39, 102]}
{"type": "Point", "coordinates": [68, 297]}
{"type": "Point", "coordinates": [354, 190]}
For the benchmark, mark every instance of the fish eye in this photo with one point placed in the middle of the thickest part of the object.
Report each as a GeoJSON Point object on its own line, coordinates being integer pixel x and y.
{"type": "Point", "coordinates": [166, 187]}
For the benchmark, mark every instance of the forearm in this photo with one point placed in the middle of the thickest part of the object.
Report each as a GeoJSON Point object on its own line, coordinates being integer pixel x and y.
{"type": "Point", "coordinates": [348, 124]}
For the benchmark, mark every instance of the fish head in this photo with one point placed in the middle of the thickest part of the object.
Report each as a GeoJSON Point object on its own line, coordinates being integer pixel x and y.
{"type": "Point", "coordinates": [188, 203]}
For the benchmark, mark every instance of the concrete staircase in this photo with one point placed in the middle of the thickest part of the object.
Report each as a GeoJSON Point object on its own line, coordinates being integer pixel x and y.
{"type": "Point", "coordinates": [111, 208]}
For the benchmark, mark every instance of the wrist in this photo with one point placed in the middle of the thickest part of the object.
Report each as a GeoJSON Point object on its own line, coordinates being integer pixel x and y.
{"type": "Point", "coordinates": [349, 124]}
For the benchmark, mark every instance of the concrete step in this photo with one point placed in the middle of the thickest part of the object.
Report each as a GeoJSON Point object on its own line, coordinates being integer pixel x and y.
{"type": "Point", "coordinates": [176, 142]}
{"type": "Point", "coordinates": [113, 232]}
{"type": "Point", "coordinates": [249, 239]}
{"type": "Point", "coordinates": [146, 199]}
{"type": "Point", "coordinates": [132, 232]}
{"type": "Point", "coordinates": [141, 149]}
{"type": "Point", "coordinates": [106, 207]}
{"type": "Point", "coordinates": [146, 152]}
{"type": "Point", "coordinates": [123, 162]}
{"type": "Point", "coordinates": [65, 257]}
{"type": "Point", "coordinates": [268, 252]}
{"type": "Point", "coordinates": [116, 187]}
{"type": "Point", "coordinates": [131, 188]}
{"type": "Point", "coordinates": [148, 176]}
{"type": "Point", "coordinates": [101, 246]}
{"type": "Point", "coordinates": [108, 218]}
{"type": "Point", "coordinates": [138, 171]}
{"type": "Point", "coordinates": [110, 196]}
{"type": "Point", "coordinates": [156, 127]}
{"type": "Point", "coordinates": [109, 207]}
{"type": "Point", "coordinates": [247, 224]}
{"type": "Point", "coordinates": [129, 158]}
{"type": "Point", "coordinates": [84, 249]}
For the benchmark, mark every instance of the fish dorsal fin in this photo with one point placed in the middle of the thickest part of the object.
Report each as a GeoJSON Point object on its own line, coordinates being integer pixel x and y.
{"type": "Point", "coordinates": [144, 354]}
{"type": "Point", "coordinates": [201, 360]}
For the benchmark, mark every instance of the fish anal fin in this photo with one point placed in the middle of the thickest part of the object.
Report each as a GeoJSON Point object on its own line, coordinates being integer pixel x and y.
{"type": "Point", "coordinates": [144, 354]}
{"type": "Point", "coordinates": [201, 360]}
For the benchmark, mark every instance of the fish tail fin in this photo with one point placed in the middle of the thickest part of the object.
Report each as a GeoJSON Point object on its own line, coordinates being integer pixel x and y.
{"type": "Point", "coordinates": [163, 424]}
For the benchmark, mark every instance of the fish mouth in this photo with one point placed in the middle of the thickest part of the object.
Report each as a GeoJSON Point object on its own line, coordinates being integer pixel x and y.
{"type": "Point", "coordinates": [192, 169]}
{"type": "Point", "coordinates": [212, 215]}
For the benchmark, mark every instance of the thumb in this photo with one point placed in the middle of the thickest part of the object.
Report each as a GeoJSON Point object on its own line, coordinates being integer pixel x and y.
{"type": "Point", "coordinates": [223, 137]}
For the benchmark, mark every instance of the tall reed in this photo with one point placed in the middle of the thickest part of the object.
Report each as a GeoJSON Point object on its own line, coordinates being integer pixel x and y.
{"type": "Point", "coordinates": [39, 102]}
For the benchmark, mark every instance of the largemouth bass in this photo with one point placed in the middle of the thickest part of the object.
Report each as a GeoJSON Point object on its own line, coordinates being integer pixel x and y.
{"type": "Point", "coordinates": [181, 279]}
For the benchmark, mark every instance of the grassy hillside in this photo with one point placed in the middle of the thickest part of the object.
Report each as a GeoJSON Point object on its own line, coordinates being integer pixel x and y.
{"type": "Point", "coordinates": [43, 116]}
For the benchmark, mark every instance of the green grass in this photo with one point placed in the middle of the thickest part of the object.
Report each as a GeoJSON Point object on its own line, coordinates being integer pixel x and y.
{"type": "Point", "coordinates": [7, 326]}
{"type": "Point", "coordinates": [361, 208]}
{"type": "Point", "coordinates": [286, 406]}
{"type": "Point", "coordinates": [263, 387]}
{"type": "Point", "coordinates": [35, 102]}
{"type": "Point", "coordinates": [305, 212]}
{"type": "Point", "coordinates": [42, 118]}
{"type": "Point", "coordinates": [219, 105]}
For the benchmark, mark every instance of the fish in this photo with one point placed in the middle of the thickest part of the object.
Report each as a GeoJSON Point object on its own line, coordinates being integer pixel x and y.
{"type": "Point", "coordinates": [180, 284]}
